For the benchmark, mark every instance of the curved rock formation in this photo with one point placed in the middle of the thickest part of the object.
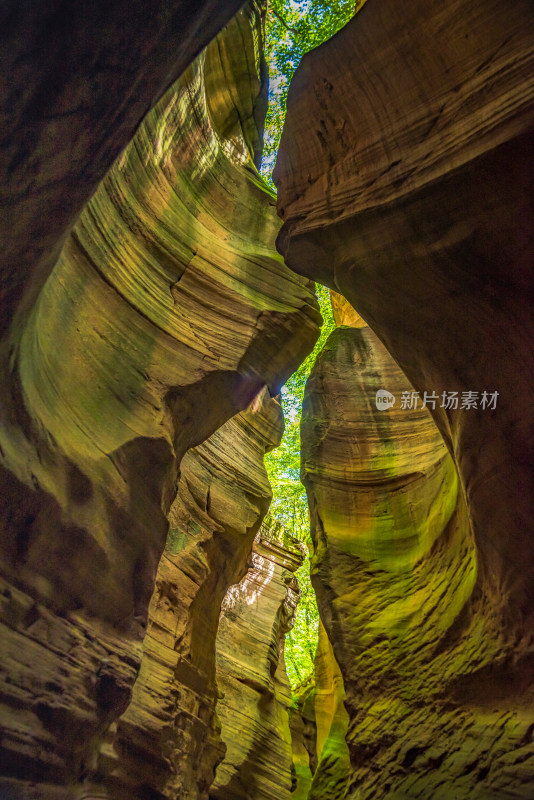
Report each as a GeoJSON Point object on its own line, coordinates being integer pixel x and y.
{"type": "Point", "coordinates": [253, 710]}
{"type": "Point", "coordinates": [168, 738]}
{"type": "Point", "coordinates": [413, 199]}
{"type": "Point", "coordinates": [395, 569]}
{"type": "Point", "coordinates": [167, 312]}
{"type": "Point", "coordinates": [147, 322]}
{"type": "Point", "coordinates": [78, 80]}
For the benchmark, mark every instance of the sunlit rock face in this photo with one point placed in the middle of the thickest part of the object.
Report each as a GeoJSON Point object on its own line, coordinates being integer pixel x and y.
{"type": "Point", "coordinates": [165, 315]}
{"type": "Point", "coordinates": [319, 722]}
{"type": "Point", "coordinates": [413, 199]}
{"type": "Point", "coordinates": [396, 572]}
{"type": "Point", "coordinates": [255, 693]}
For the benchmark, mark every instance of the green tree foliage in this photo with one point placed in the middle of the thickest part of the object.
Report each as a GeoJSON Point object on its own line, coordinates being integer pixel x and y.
{"type": "Point", "coordinates": [293, 28]}
{"type": "Point", "coordinates": [289, 503]}
{"type": "Point", "coordinates": [290, 506]}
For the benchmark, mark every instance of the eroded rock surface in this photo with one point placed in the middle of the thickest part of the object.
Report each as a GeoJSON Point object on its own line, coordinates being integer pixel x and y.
{"type": "Point", "coordinates": [253, 709]}
{"type": "Point", "coordinates": [76, 82]}
{"type": "Point", "coordinates": [167, 312]}
{"type": "Point", "coordinates": [169, 734]}
{"type": "Point", "coordinates": [413, 199]}
{"type": "Point", "coordinates": [395, 568]}
{"type": "Point", "coordinates": [303, 739]}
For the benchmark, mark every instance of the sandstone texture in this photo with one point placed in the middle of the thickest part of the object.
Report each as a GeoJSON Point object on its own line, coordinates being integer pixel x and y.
{"type": "Point", "coordinates": [168, 311]}
{"type": "Point", "coordinates": [253, 709]}
{"type": "Point", "coordinates": [318, 723]}
{"type": "Point", "coordinates": [77, 79]}
{"type": "Point", "coordinates": [147, 323]}
{"type": "Point", "coordinates": [405, 183]}
{"type": "Point", "coordinates": [169, 735]}
{"type": "Point", "coordinates": [438, 707]}
{"type": "Point", "coordinates": [413, 199]}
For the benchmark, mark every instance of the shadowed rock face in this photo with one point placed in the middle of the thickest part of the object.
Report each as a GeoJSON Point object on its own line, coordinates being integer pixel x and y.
{"type": "Point", "coordinates": [77, 81]}
{"type": "Point", "coordinates": [166, 313]}
{"type": "Point", "coordinates": [414, 200]}
{"type": "Point", "coordinates": [438, 695]}
{"type": "Point", "coordinates": [253, 710]}
{"type": "Point", "coordinates": [169, 736]}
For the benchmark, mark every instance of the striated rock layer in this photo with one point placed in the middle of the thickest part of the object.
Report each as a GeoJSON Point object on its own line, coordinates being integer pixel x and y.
{"type": "Point", "coordinates": [413, 199]}
{"type": "Point", "coordinates": [396, 572]}
{"type": "Point", "coordinates": [167, 312]}
{"type": "Point", "coordinates": [77, 79]}
{"type": "Point", "coordinates": [253, 710]}
{"type": "Point", "coordinates": [404, 182]}
{"type": "Point", "coordinates": [168, 738]}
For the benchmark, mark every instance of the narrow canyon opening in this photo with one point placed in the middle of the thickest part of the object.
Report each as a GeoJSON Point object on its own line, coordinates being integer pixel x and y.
{"type": "Point", "coordinates": [167, 299]}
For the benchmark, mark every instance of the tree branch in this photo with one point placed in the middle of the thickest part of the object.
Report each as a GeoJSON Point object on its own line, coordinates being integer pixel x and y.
{"type": "Point", "coordinates": [284, 23]}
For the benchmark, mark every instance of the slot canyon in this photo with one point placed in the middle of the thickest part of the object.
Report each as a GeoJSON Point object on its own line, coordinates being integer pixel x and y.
{"type": "Point", "coordinates": [156, 295]}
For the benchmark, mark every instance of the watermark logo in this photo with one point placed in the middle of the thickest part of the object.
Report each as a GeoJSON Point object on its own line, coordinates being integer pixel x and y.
{"type": "Point", "coordinates": [384, 400]}
{"type": "Point", "coordinates": [448, 400]}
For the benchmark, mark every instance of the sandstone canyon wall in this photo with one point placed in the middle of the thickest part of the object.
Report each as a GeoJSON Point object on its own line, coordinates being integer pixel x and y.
{"type": "Point", "coordinates": [413, 199]}
{"type": "Point", "coordinates": [319, 723]}
{"type": "Point", "coordinates": [147, 323]}
{"type": "Point", "coordinates": [393, 567]}
{"type": "Point", "coordinates": [166, 313]}
{"type": "Point", "coordinates": [256, 615]}
{"type": "Point", "coordinates": [303, 740]}
{"type": "Point", "coordinates": [168, 738]}
{"type": "Point", "coordinates": [77, 79]}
